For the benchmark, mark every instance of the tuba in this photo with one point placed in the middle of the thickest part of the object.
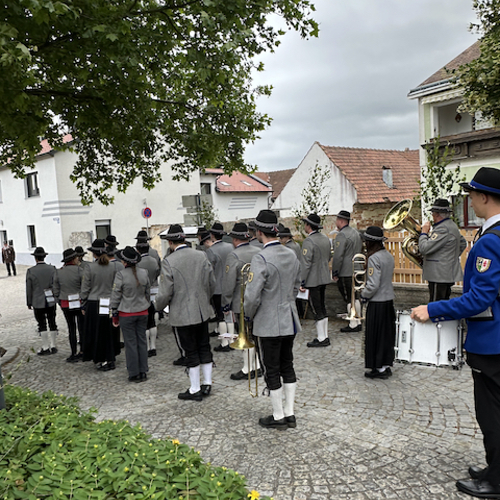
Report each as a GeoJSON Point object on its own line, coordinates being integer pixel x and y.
{"type": "Point", "coordinates": [399, 216]}
{"type": "Point", "coordinates": [358, 283]}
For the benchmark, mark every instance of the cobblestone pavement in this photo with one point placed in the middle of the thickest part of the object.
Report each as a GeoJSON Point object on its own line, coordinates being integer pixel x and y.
{"type": "Point", "coordinates": [411, 436]}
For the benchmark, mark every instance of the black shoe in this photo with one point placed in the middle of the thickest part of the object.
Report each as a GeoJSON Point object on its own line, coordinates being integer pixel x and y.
{"type": "Point", "coordinates": [221, 348]}
{"type": "Point", "coordinates": [106, 367]}
{"type": "Point", "coordinates": [190, 397]}
{"type": "Point", "coordinates": [240, 375]}
{"type": "Point", "coordinates": [44, 352]}
{"type": "Point", "coordinates": [348, 329]}
{"type": "Point", "coordinates": [144, 377]}
{"type": "Point", "coordinates": [477, 472]}
{"type": "Point", "coordinates": [182, 361]}
{"type": "Point", "coordinates": [135, 378]}
{"type": "Point", "coordinates": [73, 358]}
{"type": "Point", "coordinates": [291, 421]}
{"type": "Point", "coordinates": [317, 343]}
{"type": "Point", "coordinates": [151, 353]}
{"type": "Point", "coordinates": [205, 390]}
{"type": "Point", "coordinates": [270, 423]}
{"type": "Point", "coordinates": [478, 488]}
{"type": "Point", "coordinates": [213, 334]}
{"type": "Point", "coordinates": [53, 350]}
{"type": "Point", "coordinates": [376, 374]}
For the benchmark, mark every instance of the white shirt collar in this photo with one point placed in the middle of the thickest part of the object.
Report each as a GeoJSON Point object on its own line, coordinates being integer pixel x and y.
{"type": "Point", "coordinates": [490, 222]}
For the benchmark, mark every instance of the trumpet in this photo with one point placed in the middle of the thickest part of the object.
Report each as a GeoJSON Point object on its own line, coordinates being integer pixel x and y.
{"type": "Point", "coordinates": [243, 340]}
{"type": "Point", "coordinates": [358, 283]}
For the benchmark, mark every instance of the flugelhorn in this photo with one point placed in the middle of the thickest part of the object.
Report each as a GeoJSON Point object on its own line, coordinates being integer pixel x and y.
{"type": "Point", "coordinates": [243, 340]}
{"type": "Point", "coordinates": [399, 216]}
{"type": "Point", "coordinates": [358, 283]}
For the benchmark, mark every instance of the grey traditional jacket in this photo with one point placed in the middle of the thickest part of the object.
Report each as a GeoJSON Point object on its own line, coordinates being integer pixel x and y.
{"type": "Point", "coordinates": [187, 283]}
{"type": "Point", "coordinates": [256, 243]}
{"type": "Point", "coordinates": [151, 265]}
{"type": "Point", "coordinates": [153, 253]}
{"type": "Point", "coordinates": [347, 244]}
{"type": "Point", "coordinates": [270, 294]}
{"type": "Point", "coordinates": [316, 253]}
{"type": "Point", "coordinates": [379, 270]}
{"type": "Point", "coordinates": [293, 245]}
{"type": "Point", "coordinates": [441, 249]}
{"type": "Point", "coordinates": [98, 280]}
{"type": "Point", "coordinates": [67, 281]}
{"type": "Point", "coordinates": [231, 284]}
{"type": "Point", "coordinates": [38, 279]}
{"type": "Point", "coordinates": [217, 255]}
{"type": "Point", "coordinates": [126, 295]}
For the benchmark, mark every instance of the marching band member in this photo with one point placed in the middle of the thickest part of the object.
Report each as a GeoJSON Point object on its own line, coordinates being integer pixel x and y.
{"type": "Point", "coordinates": [151, 265]}
{"type": "Point", "coordinates": [231, 289]}
{"type": "Point", "coordinates": [187, 283]}
{"type": "Point", "coordinates": [380, 323]}
{"type": "Point", "coordinates": [130, 301]}
{"type": "Point", "coordinates": [316, 253]}
{"type": "Point", "coordinates": [253, 235]}
{"type": "Point", "coordinates": [142, 237]}
{"type": "Point", "coordinates": [286, 238]}
{"type": "Point", "coordinates": [67, 286]}
{"type": "Point", "coordinates": [273, 284]}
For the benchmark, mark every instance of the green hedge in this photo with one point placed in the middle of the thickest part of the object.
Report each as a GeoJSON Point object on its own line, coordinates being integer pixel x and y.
{"type": "Point", "coordinates": [51, 449]}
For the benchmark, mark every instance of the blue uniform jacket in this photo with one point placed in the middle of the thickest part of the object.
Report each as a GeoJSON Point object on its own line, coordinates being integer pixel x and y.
{"type": "Point", "coordinates": [480, 291]}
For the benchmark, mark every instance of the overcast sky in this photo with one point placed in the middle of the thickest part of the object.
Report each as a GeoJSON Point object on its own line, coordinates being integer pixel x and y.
{"type": "Point", "coordinates": [349, 86]}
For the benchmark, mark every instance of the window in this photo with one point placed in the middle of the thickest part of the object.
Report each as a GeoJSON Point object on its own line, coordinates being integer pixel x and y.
{"type": "Point", "coordinates": [205, 188]}
{"type": "Point", "coordinates": [31, 237]}
{"type": "Point", "coordinates": [32, 188]}
{"type": "Point", "coordinates": [102, 229]}
{"type": "Point", "coordinates": [465, 215]}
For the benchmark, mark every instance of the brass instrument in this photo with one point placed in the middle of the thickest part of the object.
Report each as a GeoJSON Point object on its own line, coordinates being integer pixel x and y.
{"type": "Point", "coordinates": [399, 216]}
{"type": "Point", "coordinates": [358, 283]}
{"type": "Point", "coordinates": [243, 340]}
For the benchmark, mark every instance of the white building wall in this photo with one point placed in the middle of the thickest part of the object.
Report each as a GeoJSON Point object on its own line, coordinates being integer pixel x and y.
{"type": "Point", "coordinates": [342, 193]}
{"type": "Point", "coordinates": [237, 206]}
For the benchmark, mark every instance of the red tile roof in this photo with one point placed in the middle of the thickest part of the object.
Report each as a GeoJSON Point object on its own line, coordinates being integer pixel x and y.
{"type": "Point", "coordinates": [237, 182]}
{"type": "Point", "coordinates": [363, 169]}
{"type": "Point", "coordinates": [47, 148]}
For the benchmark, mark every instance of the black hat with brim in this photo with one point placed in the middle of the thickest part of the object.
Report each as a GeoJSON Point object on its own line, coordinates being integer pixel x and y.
{"type": "Point", "coordinates": [344, 214]}
{"type": "Point", "coordinates": [175, 233]}
{"type": "Point", "coordinates": [267, 222]}
{"type": "Point", "coordinates": [441, 205]}
{"type": "Point", "coordinates": [313, 220]}
{"type": "Point", "coordinates": [374, 233]}
{"type": "Point", "coordinates": [486, 180]}
{"type": "Point", "coordinates": [39, 252]}
{"type": "Point", "coordinates": [142, 235]}
{"type": "Point", "coordinates": [80, 252]}
{"type": "Point", "coordinates": [285, 232]}
{"type": "Point", "coordinates": [204, 236]}
{"type": "Point", "coordinates": [217, 228]}
{"type": "Point", "coordinates": [240, 231]}
{"type": "Point", "coordinates": [98, 247]}
{"type": "Point", "coordinates": [110, 240]}
{"type": "Point", "coordinates": [68, 255]}
{"type": "Point", "coordinates": [129, 255]}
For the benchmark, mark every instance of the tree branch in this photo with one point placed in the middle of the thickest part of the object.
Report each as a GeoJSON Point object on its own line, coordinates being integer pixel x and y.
{"type": "Point", "coordinates": [163, 8]}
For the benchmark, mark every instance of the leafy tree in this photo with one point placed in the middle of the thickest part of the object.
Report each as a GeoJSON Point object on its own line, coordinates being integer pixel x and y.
{"type": "Point", "coordinates": [315, 197]}
{"type": "Point", "coordinates": [438, 181]}
{"type": "Point", "coordinates": [480, 78]}
{"type": "Point", "coordinates": [136, 83]}
{"type": "Point", "coordinates": [207, 214]}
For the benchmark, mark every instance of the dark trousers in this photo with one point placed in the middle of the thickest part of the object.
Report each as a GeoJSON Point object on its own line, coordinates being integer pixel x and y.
{"type": "Point", "coordinates": [74, 319]}
{"type": "Point", "coordinates": [345, 288]}
{"type": "Point", "coordinates": [194, 343]}
{"type": "Point", "coordinates": [317, 301]}
{"type": "Point", "coordinates": [136, 346]}
{"type": "Point", "coordinates": [486, 376]}
{"type": "Point", "coordinates": [276, 358]}
{"type": "Point", "coordinates": [439, 291]}
{"type": "Point", "coordinates": [217, 302]}
{"type": "Point", "coordinates": [13, 264]}
{"type": "Point", "coordinates": [44, 315]}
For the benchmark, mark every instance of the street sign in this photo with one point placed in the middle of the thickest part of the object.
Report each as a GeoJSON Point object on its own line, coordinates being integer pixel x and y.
{"type": "Point", "coordinates": [146, 212]}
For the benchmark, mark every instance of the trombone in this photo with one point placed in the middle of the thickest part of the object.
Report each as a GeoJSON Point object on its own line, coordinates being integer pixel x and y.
{"type": "Point", "coordinates": [358, 283]}
{"type": "Point", "coordinates": [243, 340]}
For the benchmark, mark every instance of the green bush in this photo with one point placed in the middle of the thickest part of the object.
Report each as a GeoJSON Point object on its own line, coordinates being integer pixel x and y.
{"type": "Point", "coordinates": [51, 449]}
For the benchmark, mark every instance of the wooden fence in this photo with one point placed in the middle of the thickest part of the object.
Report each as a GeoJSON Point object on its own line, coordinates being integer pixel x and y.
{"type": "Point", "coordinates": [407, 272]}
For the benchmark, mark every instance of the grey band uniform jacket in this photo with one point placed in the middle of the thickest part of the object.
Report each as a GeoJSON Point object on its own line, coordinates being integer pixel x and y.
{"type": "Point", "coordinates": [217, 255]}
{"type": "Point", "coordinates": [231, 284]}
{"type": "Point", "coordinates": [293, 245]}
{"type": "Point", "coordinates": [98, 280]}
{"type": "Point", "coordinates": [67, 281]}
{"type": "Point", "coordinates": [150, 264]}
{"type": "Point", "coordinates": [126, 295]}
{"type": "Point", "coordinates": [441, 249]}
{"type": "Point", "coordinates": [316, 253]}
{"type": "Point", "coordinates": [187, 283]}
{"type": "Point", "coordinates": [38, 279]}
{"type": "Point", "coordinates": [379, 270]}
{"type": "Point", "coordinates": [271, 291]}
{"type": "Point", "coordinates": [347, 244]}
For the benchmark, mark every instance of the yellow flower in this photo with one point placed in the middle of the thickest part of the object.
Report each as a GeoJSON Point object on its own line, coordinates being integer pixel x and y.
{"type": "Point", "coordinates": [254, 495]}
{"type": "Point", "coordinates": [176, 441]}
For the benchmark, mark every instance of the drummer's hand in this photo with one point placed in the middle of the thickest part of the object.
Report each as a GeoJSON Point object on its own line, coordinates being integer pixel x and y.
{"type": "Point", "coordinates": [426, 227]}
{"type": "Point", "coordinates": [420, 314]}
{"type": "Point", "coordinates": [302, 289]}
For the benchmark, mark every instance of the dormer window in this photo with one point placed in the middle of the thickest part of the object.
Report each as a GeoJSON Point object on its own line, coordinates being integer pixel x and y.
{"type": "Point", "coordinates": [387, 176]}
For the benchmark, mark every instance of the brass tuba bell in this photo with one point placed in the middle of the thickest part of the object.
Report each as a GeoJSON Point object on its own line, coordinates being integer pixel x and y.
{"type": "Point", "coordinates": [399, 216]}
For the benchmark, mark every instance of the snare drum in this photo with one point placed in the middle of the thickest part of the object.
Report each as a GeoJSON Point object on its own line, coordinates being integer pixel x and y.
{"type": "Point", "coordinates": [438, 344]}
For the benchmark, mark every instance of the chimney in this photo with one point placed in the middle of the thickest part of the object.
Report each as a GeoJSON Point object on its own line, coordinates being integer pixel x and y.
{"type": "Point", "coordinates": [387, 176]}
